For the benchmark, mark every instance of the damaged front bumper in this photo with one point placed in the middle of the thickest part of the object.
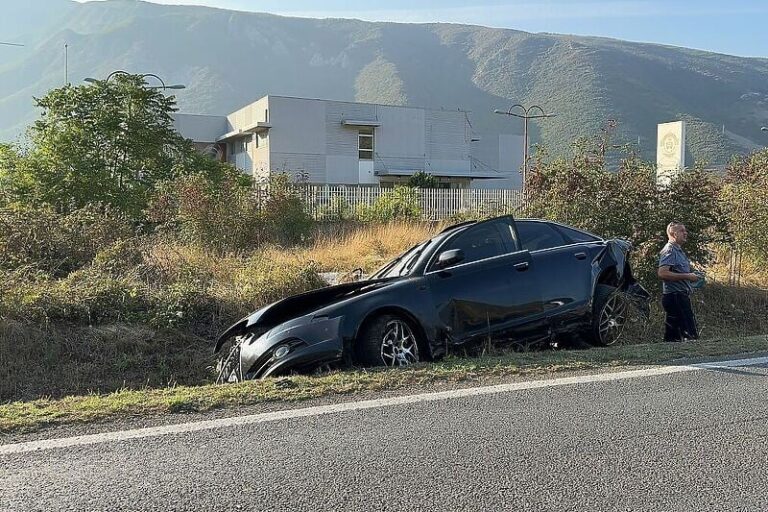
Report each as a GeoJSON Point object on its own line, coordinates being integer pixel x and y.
{"type": "Point", "coordinates": [299, 344]}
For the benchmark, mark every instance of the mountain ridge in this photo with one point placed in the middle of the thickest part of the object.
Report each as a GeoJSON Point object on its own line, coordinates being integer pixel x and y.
{"type": "Point", "coordinates": [229, 58]}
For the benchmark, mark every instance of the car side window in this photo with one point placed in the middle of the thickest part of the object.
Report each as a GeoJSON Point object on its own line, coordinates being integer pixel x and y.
{"type": "Point", "coordinates": [478, 243]}
{"type": "Point", "coordinates": [576, 236]}
{"type": "Point", "coordinates": [536, 236]}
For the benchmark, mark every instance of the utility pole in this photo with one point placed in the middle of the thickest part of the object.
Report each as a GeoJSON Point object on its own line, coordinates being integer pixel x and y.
{"type": "Point", "coordinates": [66, 64]}
{"type": "Point", "coordinates": [525, 116]}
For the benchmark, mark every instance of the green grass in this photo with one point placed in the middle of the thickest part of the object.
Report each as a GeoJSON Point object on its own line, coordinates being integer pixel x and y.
{"type": "Point", "coordinates": [33, 415]}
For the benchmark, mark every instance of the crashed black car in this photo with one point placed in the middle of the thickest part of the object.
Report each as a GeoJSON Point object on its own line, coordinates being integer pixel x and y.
{"type": "Point", "coordinates": [500, 279]}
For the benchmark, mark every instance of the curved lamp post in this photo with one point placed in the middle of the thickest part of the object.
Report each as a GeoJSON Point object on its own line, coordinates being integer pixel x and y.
{"type": "Point", "coordinates": [525, 114]}
{"type": "Point", "coordinates": [142, 75]}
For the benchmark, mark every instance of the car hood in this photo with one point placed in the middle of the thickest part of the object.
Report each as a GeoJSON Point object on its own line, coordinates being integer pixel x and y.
{"type": "Point", "coordinates": [300, 305]}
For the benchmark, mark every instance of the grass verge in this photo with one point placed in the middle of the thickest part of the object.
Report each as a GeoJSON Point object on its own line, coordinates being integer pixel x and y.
{"type": "Point", "coordinates": [33, 415]}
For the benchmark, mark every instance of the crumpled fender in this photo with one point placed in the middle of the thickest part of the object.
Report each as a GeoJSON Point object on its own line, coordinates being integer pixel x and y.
{"type": "Point", "coordinates": [240, 327]}
{"type": "Point", "coordinates": [615, 254]}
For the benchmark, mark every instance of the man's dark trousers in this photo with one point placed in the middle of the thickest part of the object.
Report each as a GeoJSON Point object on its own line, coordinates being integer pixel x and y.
{"type": "Point", "coordinates": [681, 323]}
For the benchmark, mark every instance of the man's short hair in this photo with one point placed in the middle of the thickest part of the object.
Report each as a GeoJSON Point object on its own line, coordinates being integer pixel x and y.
{"type": "Point", "coordinates": [673, 226]}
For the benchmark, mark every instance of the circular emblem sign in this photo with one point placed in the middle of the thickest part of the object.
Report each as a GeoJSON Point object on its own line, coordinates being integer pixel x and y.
{"type": "Point", "coordinates": [670, 144]}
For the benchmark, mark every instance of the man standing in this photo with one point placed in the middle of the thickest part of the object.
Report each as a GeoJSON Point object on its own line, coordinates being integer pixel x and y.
{"type": "Point", "coordinates": [675, 273]}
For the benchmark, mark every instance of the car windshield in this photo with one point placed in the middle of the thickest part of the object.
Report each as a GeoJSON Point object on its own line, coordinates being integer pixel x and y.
{"type": "Point", "coordinates": [403, 264]}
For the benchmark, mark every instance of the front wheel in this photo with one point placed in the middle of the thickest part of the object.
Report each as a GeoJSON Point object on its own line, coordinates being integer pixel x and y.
{"type": "Point", "coordinates": [388, 340]}
{"type": "Point", "coordinates": [609, 315]}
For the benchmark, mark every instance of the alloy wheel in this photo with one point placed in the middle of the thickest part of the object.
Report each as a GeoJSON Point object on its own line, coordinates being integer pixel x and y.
{"type": "Point", "coordinates": [612, 319]}
{"type": "Point", "coordinates": [398, 344]}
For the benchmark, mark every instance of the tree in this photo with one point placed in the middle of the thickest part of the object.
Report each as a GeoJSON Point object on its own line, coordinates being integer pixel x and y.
{"type": "Point", "coordinates": [15, 175]}
{"type": "Point", "coordinates": [109, 142]}
{"type": "Point", "coordinates": [745, 199]}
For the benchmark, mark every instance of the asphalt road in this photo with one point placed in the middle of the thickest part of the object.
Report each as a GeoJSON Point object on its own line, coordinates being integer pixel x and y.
{"type": "Point", "coordinates": [693, 440]}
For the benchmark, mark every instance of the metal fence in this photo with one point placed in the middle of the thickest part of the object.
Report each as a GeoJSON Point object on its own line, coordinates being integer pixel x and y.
{"type": "Point", "coordinates": [340, 201]}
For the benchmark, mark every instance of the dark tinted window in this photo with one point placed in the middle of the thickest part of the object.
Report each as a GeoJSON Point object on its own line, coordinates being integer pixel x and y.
{"type": "Point", "coordinates": [478, 243]}
{"type": "Point", "coordinates": [575, 235]}
{"type": "Point", "coordinates": [535, 236]}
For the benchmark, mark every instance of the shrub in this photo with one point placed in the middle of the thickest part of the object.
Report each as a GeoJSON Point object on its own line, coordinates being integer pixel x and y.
{"type": "Point", "coordinates": [400, 203]}
{"type": "Point", "coordinates": [284, 213]}
{"type": "Point", "coordinates": [84, 297]}
{"type": "Point", "coordinates": [745, 200]}
{"type": "Point", "coordinates": [58, 243]}
{"type": "Point", "coordinates": [627, 203]}
{"type": "Point", "coordinates": [231, 215]}
{"type": "Point", "coordinates": [421, 179]}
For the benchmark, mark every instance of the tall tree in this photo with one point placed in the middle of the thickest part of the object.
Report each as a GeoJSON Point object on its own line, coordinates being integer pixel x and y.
{"type": "Point", "coordinates": [110, 141]}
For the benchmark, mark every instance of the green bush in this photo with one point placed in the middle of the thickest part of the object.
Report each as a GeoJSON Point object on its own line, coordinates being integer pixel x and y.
{"type": "Point", "coordinates": [58, 243]}
{"type": "Point", "coordinates": [421, 179]}
{"type": "Point", "coordinates": [338, 211]}
{"type": "Point", "coordinates": [745, 200]}
{"type": "Point", "coordinates": [231, 215]}
{"type": "Point", "coordinates": [627, 203]}
{"type": "Point", "coordinates": [84, 297]}
{"type": "Point", "coordinates": [400, 203]}
{"type": "Point", "coordinates": [284, 213]}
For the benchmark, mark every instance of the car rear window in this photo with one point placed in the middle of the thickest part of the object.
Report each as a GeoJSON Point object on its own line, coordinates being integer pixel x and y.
{"type": "Point", "coordinates": [576, 235]}
{"type": "Point", "coordinates": [536, 236]}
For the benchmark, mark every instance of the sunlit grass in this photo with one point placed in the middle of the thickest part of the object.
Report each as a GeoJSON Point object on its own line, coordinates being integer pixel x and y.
{"type": "Point", "coordinates": [36, 414]}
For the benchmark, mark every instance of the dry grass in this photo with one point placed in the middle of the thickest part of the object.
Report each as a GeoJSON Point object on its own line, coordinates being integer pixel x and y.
{"type": "Point", "coordinates": [721, 311]}
{"type": "Point", "coordinates": [173, 299]}
{"type": "Point", "coordinates": [342, 248]}
{"type": "Point", "coordinates": [29, 416]}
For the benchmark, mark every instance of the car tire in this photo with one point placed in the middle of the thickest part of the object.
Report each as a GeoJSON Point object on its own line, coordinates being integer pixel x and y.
{"type": "Point", "coordinates": [387, 340]}
{"type": "Point", "coordinates": [609, 316]}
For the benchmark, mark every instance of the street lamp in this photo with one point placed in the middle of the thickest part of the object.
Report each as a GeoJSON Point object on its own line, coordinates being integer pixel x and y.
{"type": "Point", "coordinates": [764, 129]}
{"type": "Point", "coordinates": [525, 116]}
{"type": "Point", "coordinates": [142, 75]}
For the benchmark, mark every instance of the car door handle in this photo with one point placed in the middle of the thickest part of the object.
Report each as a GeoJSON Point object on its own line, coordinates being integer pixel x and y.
{"type": "Point", "coordinates": [521, 266]}
{"type": "Point", "coordinates": [580, 255]}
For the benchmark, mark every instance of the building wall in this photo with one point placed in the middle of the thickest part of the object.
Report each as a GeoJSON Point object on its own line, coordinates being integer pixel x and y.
{"type": "Point", "coordinates": [502, 152]}
{"type": "Point", "coordinates": [308, 137]}
{"type": "Point", "coordinates": [342, 162]}
{"type": "Point", "coordinates": [258, 111]}
{"type": "Point", "coordinates": [447, 142]}
{"type": "Point", "coordinates": [297, 137]}
{"type": "Point", "coordinates": [400, 141]}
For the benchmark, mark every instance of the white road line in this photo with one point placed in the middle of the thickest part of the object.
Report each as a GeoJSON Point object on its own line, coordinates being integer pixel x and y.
{"type": "Point", "coordinates": [107, 437]}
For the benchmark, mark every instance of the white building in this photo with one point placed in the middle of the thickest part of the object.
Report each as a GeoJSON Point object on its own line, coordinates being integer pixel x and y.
{"type": "Point", "coordinates": [337, 142]}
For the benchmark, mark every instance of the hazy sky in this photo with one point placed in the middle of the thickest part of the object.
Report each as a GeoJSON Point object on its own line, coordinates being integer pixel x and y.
{"type": "Point", "coordinates": [736, 27]}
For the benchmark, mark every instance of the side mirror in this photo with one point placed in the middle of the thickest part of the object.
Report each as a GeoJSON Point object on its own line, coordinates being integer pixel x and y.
{"type": "Point", "coordinates": [448, 258]}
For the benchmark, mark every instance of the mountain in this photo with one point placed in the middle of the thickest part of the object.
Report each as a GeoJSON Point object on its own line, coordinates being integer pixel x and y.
{"type": "Point", "coordinates": [228, 59]}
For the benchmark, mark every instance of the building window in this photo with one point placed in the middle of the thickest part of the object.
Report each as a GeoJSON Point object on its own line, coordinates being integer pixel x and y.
{"type": "Point", "coordinates": [365, 143]}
